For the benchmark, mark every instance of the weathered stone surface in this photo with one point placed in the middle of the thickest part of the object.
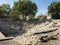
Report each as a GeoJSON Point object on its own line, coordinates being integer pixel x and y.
{"type": "Point", "coordinates": [1, 36]}
{"type": "Point", "coordinates": [25, 40]}
{"type": "Point", "coordinates": [8, 42]}
{"type": "Point", "coordinates": [29, 38]}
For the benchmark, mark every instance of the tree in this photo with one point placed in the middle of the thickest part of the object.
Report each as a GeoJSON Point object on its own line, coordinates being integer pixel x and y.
{"type": "Point", "coordinates": [1, 12]}
{"type": "Point", "coordinates": [14, 14]}
{"type": "Point", "coordinates": [24, 8]}
{"type": "Point", "coordinates": [5, 9]}
{"type": "Point", "coordinates": [54, 10]}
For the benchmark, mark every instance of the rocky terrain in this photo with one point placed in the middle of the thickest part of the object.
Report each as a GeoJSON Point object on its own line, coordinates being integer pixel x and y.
{"type": "Point", "coordinates": [34, 31]}
{"type": "Point", "coordinates": [32, 37]}
{"type": "Point", "coordinates": [11, 27]}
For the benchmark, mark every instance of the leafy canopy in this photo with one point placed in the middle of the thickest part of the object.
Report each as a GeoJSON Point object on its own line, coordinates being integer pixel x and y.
{"type": "Point", "coordinates": [24, 8]}
{"type": "Point", "coordinates": [54, 10]}
{"type": "Point", "coordinates": [4, 9]}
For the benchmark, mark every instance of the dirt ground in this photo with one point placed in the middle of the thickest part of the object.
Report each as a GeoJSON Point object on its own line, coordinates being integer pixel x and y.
{"type": "Point", "coordinates": [8, 42]}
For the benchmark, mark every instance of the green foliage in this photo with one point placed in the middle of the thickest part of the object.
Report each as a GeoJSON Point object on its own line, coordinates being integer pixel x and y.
{"type": "Point", "coordinates": [1, 12]}
{"type": "Point", "coordinates": [25, 8]}
{"type": "Point", "coordinates": [54, 10]}
{"type": "Point", "coordinates": [28, 8]}
{"type": "Point", "coordinates": [4, 9]}
{"type": "Point", "coordinates": [14, 14]}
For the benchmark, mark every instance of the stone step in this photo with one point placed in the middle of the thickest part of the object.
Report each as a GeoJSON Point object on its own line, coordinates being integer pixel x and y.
{"type": "Point", "coordinates": [6, 38]}
{"type": "Point", "coordinates": [1, 36]}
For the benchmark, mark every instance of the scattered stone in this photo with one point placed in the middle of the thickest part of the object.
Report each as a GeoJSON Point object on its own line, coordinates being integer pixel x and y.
{"type": "Point", "coordinates": [25, 40]}
{"type": "Point", "coordinates": [41, 30]}
{"type": "Point", "coordinates": [37, 34]}
{"type": "Point", "coordinates": [44, 38]}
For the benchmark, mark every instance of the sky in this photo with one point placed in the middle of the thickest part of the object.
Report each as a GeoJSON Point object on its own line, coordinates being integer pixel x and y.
{"type": "Point", "coordinates": [41, 4]}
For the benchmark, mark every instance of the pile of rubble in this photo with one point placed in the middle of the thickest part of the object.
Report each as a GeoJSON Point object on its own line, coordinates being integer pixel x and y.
{"type": "Point", "coordinates": [33, 36]}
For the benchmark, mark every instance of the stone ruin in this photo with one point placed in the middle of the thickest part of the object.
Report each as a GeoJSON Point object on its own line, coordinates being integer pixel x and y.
{"type": "Point", "coordinates": [32, 37]}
